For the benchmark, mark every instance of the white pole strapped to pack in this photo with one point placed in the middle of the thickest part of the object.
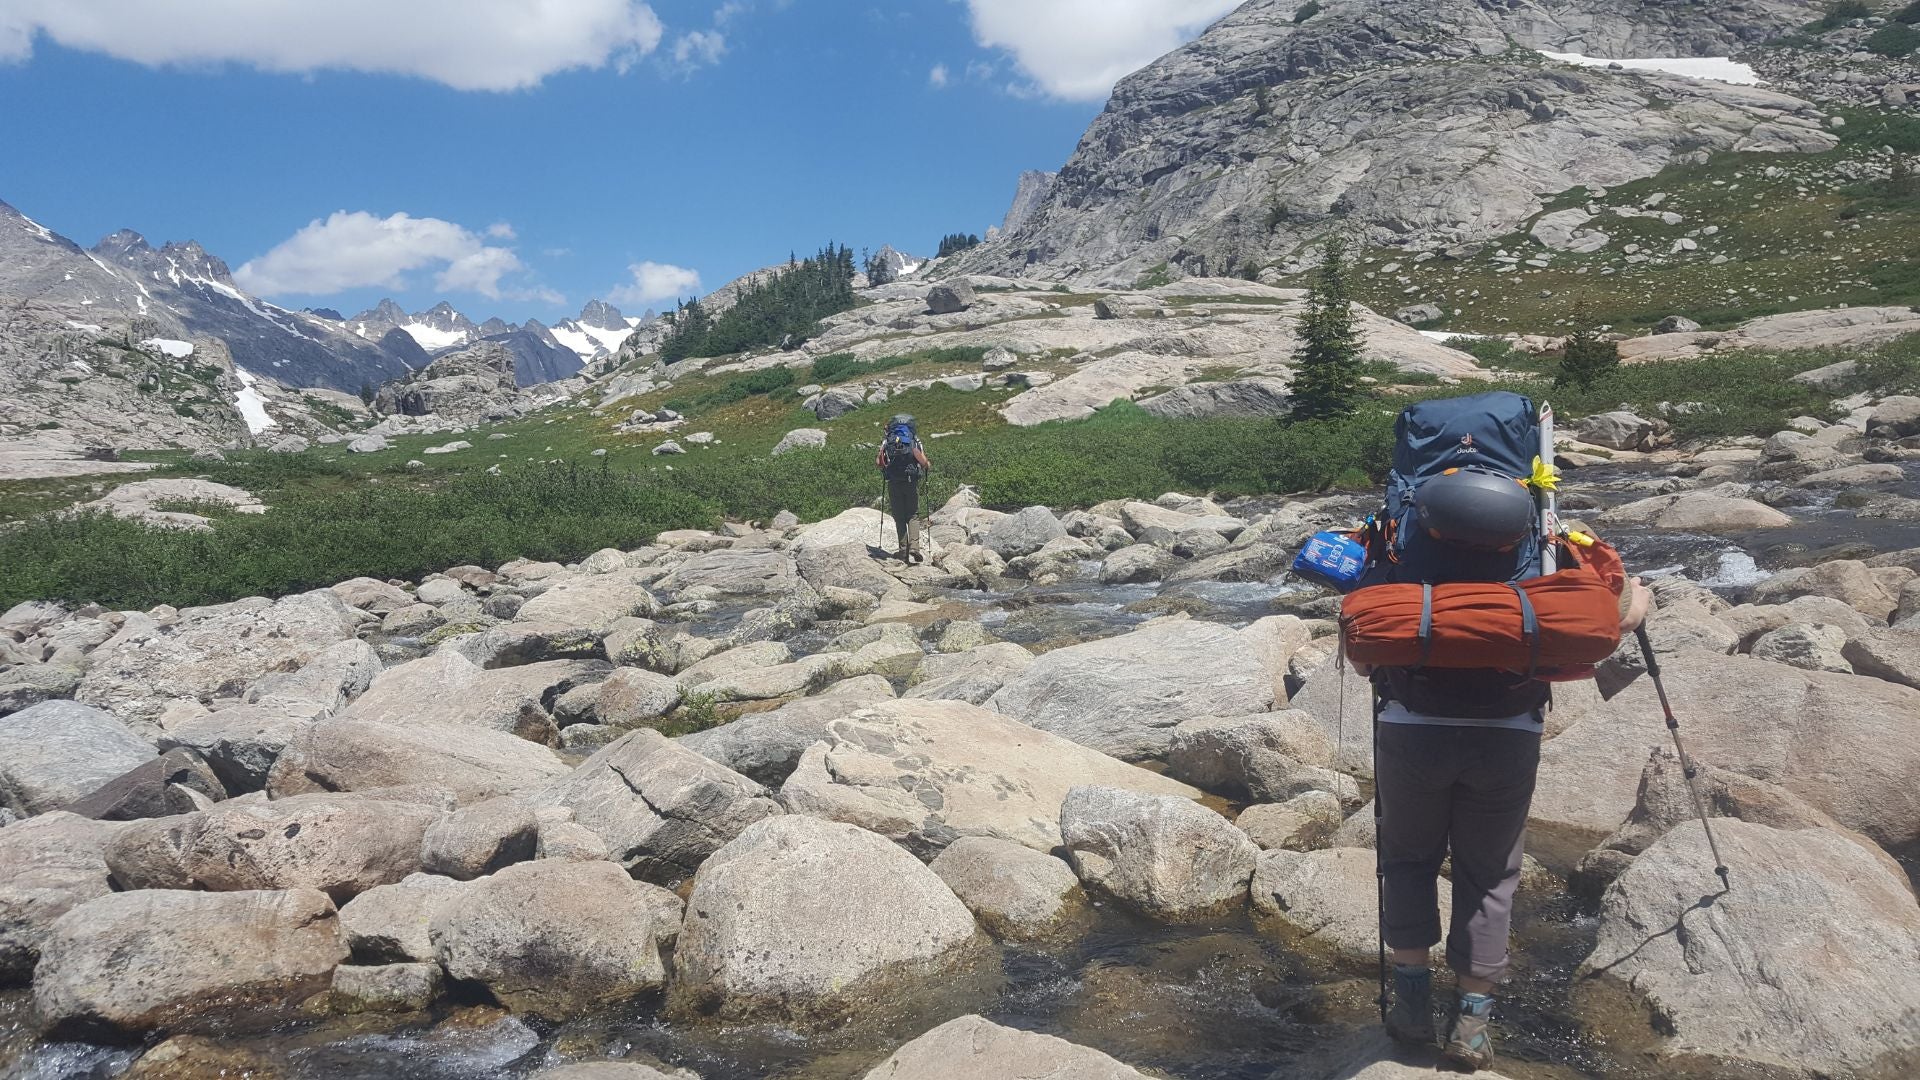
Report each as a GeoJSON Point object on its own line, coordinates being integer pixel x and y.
{"type": "Point", "coordinates": [1549, 498]}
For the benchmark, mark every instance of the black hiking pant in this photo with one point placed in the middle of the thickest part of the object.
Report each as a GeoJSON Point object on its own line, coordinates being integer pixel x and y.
{"type": "Point", "coordinates": [903, 501]}
{"type": "Point", "coordinates": [1463, 791]}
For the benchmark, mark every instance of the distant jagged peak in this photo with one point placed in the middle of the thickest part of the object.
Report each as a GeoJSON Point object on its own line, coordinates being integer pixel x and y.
{"type": "Point", "coordinates": [602, 316]}
{"type": "Point", "coordinates": [495, 326]}
{"type": "Point", "coordinates": [443, 316]}
{"type": "Point", "coordinates": [122, 245]}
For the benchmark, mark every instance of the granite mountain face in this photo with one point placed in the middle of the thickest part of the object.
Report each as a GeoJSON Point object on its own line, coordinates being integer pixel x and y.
{"type": "Point", "coordinates": [1418, 122]}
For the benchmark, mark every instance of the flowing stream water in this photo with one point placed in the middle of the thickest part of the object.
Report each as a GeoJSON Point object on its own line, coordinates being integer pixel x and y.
{"type": "Point", "coordinates": [1223, 1001]}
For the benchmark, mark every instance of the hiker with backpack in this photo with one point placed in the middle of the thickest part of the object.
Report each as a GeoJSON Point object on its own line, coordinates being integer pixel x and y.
{"type": "Point", "coordinates": [1458, 615]}
{"type": "Point", "coordinates": [903, 462]}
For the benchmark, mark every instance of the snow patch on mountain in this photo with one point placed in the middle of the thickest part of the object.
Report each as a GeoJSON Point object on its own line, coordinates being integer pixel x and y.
{"type": "Point", "coordinates": [179, 350]}
{"type": "Point", "coordinates": [432, 339]}
{"type": "Point", "coordinates": [1712, 68]}
{"type": "Point", "coordinates": [252, 406]}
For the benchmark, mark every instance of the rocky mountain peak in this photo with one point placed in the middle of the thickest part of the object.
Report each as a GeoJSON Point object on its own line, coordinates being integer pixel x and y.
{"type": "Point", "coordinates": [195, 261]}
{"type": "Point", "coordinates": [1418, 123]}
{"type": "Point", "coordinates": [1027, 197]}
{"type": "Point", "coordinates": [442, 316]}
{"type": "Point", "coordinates": [384, 313]}
{"type": "Point", "coordinates": [494, 327]}
{"type": "Point", "coordinates": [602, 315]}
{"type": "Point", "coordinates": [122, 246]}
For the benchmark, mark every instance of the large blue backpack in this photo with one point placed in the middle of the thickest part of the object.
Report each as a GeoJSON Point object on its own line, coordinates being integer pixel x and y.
{"type": "Point", "coordinates": [1495, 432]}
{"type": "Point", "coordinates": [898, 448]}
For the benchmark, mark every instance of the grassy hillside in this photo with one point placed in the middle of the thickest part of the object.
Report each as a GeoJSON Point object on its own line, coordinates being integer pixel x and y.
{"type": "Point", "coordinates": [1795, 232]}
{"type": "Point", "coordinates": [337, 515]}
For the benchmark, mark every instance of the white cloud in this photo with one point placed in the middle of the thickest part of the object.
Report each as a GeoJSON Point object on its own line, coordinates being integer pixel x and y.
{"type": "Point", "coordinates": [938, 77]}
{"type": "Point", "coordinates": [699, 47]}
{"type": "Point", "coordinates": [466, 44]}
{"type": "Point", "coordinates": [500, 230]}
{"type": "Point", "coordinates": [1077, 49]}
{"type": "Point", "coordinates": [653, 282]}
{"type": "Point", "coordinates": [356, 250]}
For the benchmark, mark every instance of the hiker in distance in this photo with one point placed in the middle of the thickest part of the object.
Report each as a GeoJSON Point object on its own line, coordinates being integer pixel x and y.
{"type": "Point", "coordinates": [1463, 623]}
{"type": "Point", "coordinates": [903, 462]}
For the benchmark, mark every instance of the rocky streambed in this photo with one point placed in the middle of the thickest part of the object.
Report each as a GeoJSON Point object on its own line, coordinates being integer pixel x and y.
{"type": "Point", "coordinates": [1085, 792]}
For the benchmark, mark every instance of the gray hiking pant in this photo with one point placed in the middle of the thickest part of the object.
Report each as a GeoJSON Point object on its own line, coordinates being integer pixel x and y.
{"type": "Point", "coordinates": [1464, 791]}
{"type": "Point", "coordinates": [903, 502]}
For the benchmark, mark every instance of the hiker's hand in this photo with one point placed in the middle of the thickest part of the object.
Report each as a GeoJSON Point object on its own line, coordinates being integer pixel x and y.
{"type": "Point", "coordinates": [1639, 602]}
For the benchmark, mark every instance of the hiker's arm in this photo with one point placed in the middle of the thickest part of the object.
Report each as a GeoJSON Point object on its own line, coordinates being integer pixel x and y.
{"type": "Point", "coordinates": [880, 459]}
{"type": "Point", "coordinates": [1635, 601]}
{"type": "Point", "coordinates": [920, 456]}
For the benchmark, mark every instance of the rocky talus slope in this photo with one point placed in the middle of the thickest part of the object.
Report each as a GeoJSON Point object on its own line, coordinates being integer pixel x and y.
{"type": "Point", "coordinates": [1239, 149]}
{"type": "Point", "coordinates": [767, 779]}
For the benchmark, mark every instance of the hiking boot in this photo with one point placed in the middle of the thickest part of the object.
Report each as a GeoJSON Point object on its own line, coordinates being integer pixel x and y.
{"type": "Point", "coordinates": [1469, 1040]}
{"type": "Point", "coordinates": [1411, 1018]}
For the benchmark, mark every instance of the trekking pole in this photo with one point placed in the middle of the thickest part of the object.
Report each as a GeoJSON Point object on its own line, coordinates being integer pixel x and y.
{"type": "Point", "coordinates": [885, 492]}
{"type": "Point", "coordinates": [1686, 763]}
{"type": "Point", "coordinates": [1379, 864]}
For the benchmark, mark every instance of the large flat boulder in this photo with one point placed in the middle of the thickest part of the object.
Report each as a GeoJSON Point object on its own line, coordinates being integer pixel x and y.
{"type": "Point", "coordinates": [593, 602]}
{"type": "Point", "coordinates": [240, 744]}
{"type": "Point", "coordinates": [1124, 695]}
{"type": "Point", "coordinates": [973, 676]}
{"type": "Point", "coordinates": [554, 939]}
{"type": "Point", "coordinates": [340, 754]}
{"type": "Point", "coordinates": [340, 844]}
{"type": "Point", "coordinates": [974, 1048]}
{"type": "Point", "coordinates": [767, 746]}
{"type": "Point", "coordinates": [211, 652]}
{"type": "Point", "coordinates": [58, 751]}
{"type": "Point", "coordinates": [177, 782]}
{"type": "Point", "coordinates": [733, 573]}
{"type": "Point", "coordinates": [1804, 965]}
{"type": "Point", "coordinates": [337, 675]}
{"type": "Point", "coordinates": [1697, 511]}
{"type": "Point", "coordinates": [448, 690]}
{"type": "Point", "coordinates": [168, 960]}
{"type": "Point", "coordinates": [391, 924]}
{"type": "Point", "coordinates": [804, 919]}
{"type": "Point", "coordinates": [925, 773]}
{"type": "Point", "coordinates": [49, 865]}
{"type": "Point", "coordinates": [1325, 901]}
{"type": "Point", "coordinates": [661, 807]}
{"type": "Point", "coordinates": [1844, 743]}
{"type": "Point", "coordinates": [1017, 893]}
{"type": "Point", "coordinates": [1167, 857]}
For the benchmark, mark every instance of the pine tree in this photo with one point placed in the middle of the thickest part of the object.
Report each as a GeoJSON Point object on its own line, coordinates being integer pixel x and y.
{"type": "Point", "coordinates": [1589, 356]}
{"type": "Point", "coordinates": [879, 271]}
{"type": "Point", "coordinates": [366, 394]}
{"type": "Point", "coordinates": [1326, 364]}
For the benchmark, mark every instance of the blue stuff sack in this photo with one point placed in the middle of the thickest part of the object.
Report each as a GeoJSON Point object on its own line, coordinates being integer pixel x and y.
{"type": "Point", "coordinates": [1333, 558]}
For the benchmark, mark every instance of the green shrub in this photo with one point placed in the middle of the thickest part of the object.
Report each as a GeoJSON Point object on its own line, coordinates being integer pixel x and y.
{"type": "Point", "coordinates": [313, 539]}
{"type": "Point", "coordinates": [1894, 40]}
{"type": "Point", "coordinates": [1306, 11]}
{"type": "Point", "coordinates": [1840, 15]}
{"type": "Point", "coordinates": [737, 389]}
{"type": "Point", "coordinates": [1909, 14]}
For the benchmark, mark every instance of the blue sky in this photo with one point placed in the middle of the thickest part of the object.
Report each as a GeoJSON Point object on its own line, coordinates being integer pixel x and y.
{"type": "Point", "coordinates": [538, 165]}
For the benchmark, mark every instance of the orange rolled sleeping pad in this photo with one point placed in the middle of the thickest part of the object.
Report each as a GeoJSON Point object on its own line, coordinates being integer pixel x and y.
{"type": "Point", "coordinates": [1567, 621]}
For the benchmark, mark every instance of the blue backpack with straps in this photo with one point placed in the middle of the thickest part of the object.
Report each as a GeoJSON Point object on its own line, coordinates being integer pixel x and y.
{"type": "Point", "coordinates": [898, 446]}
{"type": "Point", "coordinates": [1497, 433]}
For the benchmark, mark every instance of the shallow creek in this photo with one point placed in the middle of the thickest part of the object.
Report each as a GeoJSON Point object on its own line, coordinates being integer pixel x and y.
{"type": "Point", "coordinates": [1215, 1002]}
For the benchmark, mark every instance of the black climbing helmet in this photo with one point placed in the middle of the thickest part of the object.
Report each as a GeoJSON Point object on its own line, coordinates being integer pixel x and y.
{"type": "Point", "coordinates": [1476, 509]}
